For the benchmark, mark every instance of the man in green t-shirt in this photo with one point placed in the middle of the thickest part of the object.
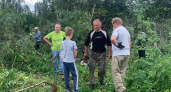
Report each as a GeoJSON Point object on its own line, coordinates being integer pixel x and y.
{"type": "Point", "coordinates": [56, 37]}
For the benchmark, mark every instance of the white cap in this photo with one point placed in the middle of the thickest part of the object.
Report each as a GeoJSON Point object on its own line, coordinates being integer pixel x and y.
{"type": "Point", "coordinates": [36, 27]}
{"type": "Point", "coordinates": [143, 33]}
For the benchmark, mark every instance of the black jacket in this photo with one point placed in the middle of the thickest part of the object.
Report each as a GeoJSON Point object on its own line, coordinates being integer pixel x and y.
{"type": "Point", "coordinates": [98, 40]}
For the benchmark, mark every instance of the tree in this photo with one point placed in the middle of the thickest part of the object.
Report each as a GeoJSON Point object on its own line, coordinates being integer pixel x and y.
{"type": "Point", "coordinates": [159, 9]}
{"type": "Point", "coordinates": [12, 4]}
{"type": "Point", "coordinates": [115, 8]}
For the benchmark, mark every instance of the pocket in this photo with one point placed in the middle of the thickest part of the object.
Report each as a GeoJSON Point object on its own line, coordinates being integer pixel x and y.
{"type": "Point", "coordinates": [53, 53]}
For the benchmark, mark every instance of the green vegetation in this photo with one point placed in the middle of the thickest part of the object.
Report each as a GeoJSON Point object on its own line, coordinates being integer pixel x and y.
{"type": "Point", "coordinates": [22, 67]}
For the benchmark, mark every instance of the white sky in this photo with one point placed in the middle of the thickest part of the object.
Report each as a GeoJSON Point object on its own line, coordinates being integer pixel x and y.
{"type": "Point", "coordinates": [31, 3]}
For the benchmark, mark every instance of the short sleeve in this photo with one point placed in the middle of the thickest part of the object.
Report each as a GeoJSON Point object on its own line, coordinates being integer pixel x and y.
{"type": "Point", "coordinates": [115, 33]}
{"type": "Point", "coordinates": [129, 37]}
{"type": "Point", "coordinates": [62, 47]}
{"type": "Point", "coordinates": [62, 50]}
{"type": "Point", "coordinates": [49, 35]}
{"type": "Point", "coordinates": [64, 35]}
{"type": "Point", "coordinates": [75, 46]}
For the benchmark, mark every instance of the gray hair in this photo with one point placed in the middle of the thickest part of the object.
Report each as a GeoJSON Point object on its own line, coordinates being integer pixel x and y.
{"type": "Point", "coordinates": [57, 24]}
{"type": "Point", "coordinates": [97, 20]}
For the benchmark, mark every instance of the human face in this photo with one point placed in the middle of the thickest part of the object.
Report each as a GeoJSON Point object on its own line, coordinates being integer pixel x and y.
{"type": "Point", "coordinates": [57, 28]}
{"type": "Point", "coordinates": [97, 25]}
{"type": "Point", "coordinates": [114, 26]}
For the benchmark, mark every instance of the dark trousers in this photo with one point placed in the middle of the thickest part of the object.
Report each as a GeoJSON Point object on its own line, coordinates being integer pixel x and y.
{"type": "Point", "coordinates": [71, 67]}
{"type": "Point", "coordinates": [141, 53]}
{"type": "Point", "coordinates": [98, 59]}
{"type": "Point", "coordinates": [37, 45]}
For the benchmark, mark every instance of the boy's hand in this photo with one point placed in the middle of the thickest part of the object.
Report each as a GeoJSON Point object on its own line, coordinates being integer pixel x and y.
{"type": "Point", "coordinates": [62, 57]}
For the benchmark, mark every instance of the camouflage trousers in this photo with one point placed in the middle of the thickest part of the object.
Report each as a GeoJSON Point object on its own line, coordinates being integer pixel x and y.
{"type": "Point", "coordinates": [118, 66]}
{"type": "Point", "coordinates": [97, 59]}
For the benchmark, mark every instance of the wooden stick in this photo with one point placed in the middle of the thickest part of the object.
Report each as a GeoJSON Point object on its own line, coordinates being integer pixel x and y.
{"type": "Point", "coordinates": [13, 62]}
{"type": "Point", "coordinates": [30, 87]}
{"type": "Point", "coordinates": [35, 86]}
{"type": "Point", "coordinates": [38, 52]}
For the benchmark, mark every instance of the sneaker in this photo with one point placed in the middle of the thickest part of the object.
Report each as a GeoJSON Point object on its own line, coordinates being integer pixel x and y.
{"type": "Point", "coordinates": [60, 73]}
{"type": "Point", "coordinates": [118, 91]}
{"type": "Point", "coordinates": [68, 90]}
{"type": "Point", "coordinates": [75, 91]}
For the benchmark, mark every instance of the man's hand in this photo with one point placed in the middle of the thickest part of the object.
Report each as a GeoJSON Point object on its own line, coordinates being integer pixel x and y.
{"type": "Point", "coordinates": [109, 55]}
{"type": "Point", "coordinates": [50, 44]}
{"type": "Point", "coordinates": [155, 45]}
{"type": "Point", "coordinates": [120, 46]}
{"type": "Point", "coordinates": [85, 54]}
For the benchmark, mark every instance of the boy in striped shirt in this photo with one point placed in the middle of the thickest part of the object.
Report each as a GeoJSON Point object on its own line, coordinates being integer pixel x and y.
{"type": "Point", "coordinates": [69, 54]}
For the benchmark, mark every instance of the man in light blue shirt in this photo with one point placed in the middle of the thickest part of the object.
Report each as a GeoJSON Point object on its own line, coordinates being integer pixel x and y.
{"type": "Point", "coordinates": [121, 44]}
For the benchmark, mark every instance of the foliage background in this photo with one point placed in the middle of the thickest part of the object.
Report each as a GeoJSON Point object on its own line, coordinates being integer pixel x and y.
{"type": "Point", "coordinates": [21, 66]}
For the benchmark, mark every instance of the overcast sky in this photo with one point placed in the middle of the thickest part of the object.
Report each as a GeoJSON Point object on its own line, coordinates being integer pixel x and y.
{"type": "Point", "coordinates": [31, 3]}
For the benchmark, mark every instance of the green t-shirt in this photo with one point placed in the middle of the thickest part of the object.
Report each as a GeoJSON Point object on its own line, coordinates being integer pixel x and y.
{"type": "Point", "coordinates": [56, 39]}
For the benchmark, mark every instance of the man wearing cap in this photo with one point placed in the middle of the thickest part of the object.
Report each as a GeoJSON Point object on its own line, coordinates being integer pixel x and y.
{"type": "Point", "coordinates": [37, 38]}
{"type": "Point", "coordinates": [56, 37]}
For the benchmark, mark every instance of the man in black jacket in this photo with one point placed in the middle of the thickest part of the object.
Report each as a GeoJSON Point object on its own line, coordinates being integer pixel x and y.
{"type": "Point", "coordinates": [98, 39]}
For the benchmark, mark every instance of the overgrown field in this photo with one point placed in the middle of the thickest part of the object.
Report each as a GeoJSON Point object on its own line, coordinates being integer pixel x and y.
{"type": "Point", "coordinates": [151, 74]}
{"type": "Point", "coordinates": [22, 67]}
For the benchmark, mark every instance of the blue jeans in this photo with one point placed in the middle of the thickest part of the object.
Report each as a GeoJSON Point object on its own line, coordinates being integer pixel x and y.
{"type": "Point", "coordinates": [57, 57]}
